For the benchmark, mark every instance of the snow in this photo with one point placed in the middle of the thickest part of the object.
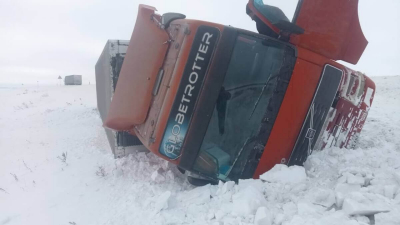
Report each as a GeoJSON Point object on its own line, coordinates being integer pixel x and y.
{"type": "Point", "coordinates": [368, 95]}
{"type": "Point", "coordinates": [282, 174]}
{"type": "Point", "coordinates": [263, 216]}
{"type": "Point", "coordinates": [38, 185]}
{"type": "Point", "coordinates": [364, 204]}
{"type": "Point", "coordinates": [162, 202]}
{"type": "Point", "coordinates": [390, 218]}
{"type": "Point", "coordinates": [247, 200]}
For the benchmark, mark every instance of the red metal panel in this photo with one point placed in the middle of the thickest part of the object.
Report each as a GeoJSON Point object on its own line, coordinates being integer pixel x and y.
{"type": "Point", "coordinates": [332, 29]}
{"type": "Point", "coordinates": [291, 115]}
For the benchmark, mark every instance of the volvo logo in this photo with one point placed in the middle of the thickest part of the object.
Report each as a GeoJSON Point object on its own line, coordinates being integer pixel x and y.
{"type": "Point", "coordinates": [310, 133]}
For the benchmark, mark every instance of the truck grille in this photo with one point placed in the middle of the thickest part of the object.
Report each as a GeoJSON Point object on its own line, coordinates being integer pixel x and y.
{"type": "Point", "coordinates": [317, 113]}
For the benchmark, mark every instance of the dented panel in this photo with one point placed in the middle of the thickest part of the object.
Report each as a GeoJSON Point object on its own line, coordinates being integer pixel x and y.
{"type": "Point", "coordinates": [146, 130]}
{"type": "Point", "coordinates": [144, 59]}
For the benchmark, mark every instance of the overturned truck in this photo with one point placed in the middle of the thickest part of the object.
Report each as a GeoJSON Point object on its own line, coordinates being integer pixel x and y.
{"type": "Point", "coordinates": [224, 103]}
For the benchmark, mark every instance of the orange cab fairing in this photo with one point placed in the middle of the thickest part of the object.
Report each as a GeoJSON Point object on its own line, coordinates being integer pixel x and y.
{"type": "Point", "coordinates": [153, 142]}
{"type": "Point", "coordinates": [144, 58]}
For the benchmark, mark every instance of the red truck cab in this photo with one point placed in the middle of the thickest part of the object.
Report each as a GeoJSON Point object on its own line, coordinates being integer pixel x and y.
{"type": "Point", "coordinates": [228, 104]}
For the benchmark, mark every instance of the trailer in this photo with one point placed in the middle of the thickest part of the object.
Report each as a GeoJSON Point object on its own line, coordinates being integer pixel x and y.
{"type": "Point", "coordinates": [107, 71]}
{"type": "Point", "coordinates": [73, 80]}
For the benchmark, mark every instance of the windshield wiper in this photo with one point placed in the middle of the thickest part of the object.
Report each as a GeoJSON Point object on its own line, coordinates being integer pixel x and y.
{"type": "Point", "coordinates": [262, 92]}
{"type": "Point", "coordinates": [222, 101]}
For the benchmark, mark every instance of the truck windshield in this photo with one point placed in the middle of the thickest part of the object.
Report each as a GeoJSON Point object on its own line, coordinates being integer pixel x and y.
{"type": "Point", "coordinates": [241, 106]}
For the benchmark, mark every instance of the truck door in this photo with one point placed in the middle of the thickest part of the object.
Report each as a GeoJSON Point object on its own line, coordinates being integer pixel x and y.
{"type": "Point", "coordinates": [331, 27]}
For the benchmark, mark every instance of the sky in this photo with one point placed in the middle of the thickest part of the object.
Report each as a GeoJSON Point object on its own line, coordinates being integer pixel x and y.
{"type": "Point", "coordinates": [44, 39]}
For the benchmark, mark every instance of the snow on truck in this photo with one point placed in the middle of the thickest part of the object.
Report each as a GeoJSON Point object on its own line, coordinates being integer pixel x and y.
{"type": "Point", "coordinates": [224, 103]}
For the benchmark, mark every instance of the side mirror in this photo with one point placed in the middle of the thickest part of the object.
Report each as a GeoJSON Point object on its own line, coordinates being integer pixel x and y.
{"type": "Point", "coordinates": [289, 27]}
{"type": "Point", "coordinates": [167, 18]}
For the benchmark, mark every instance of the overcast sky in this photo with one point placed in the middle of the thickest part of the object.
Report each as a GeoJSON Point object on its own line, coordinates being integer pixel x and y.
{"type": "Point", "coordinates": [42, 39]}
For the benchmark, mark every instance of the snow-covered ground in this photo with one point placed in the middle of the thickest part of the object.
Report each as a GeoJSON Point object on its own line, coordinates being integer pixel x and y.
{"type": "Point", "coordinates": [56, 168]}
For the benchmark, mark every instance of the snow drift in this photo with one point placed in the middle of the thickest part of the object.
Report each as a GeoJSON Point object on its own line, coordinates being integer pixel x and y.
{"type": "Point", "coordinates": [56, 168]}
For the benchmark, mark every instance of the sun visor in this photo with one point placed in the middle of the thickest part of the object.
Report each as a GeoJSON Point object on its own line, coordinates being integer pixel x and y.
{"type": "Point", "coordinates": [330, 27]}
{"type": "Point", "coordinates": [144, 58]}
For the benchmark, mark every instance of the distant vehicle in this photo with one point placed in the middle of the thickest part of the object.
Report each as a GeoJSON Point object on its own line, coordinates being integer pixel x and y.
{"type": "Point", "coordinates": [227, 104]}
{"type": "Point", "coordinates": [73, 80]}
